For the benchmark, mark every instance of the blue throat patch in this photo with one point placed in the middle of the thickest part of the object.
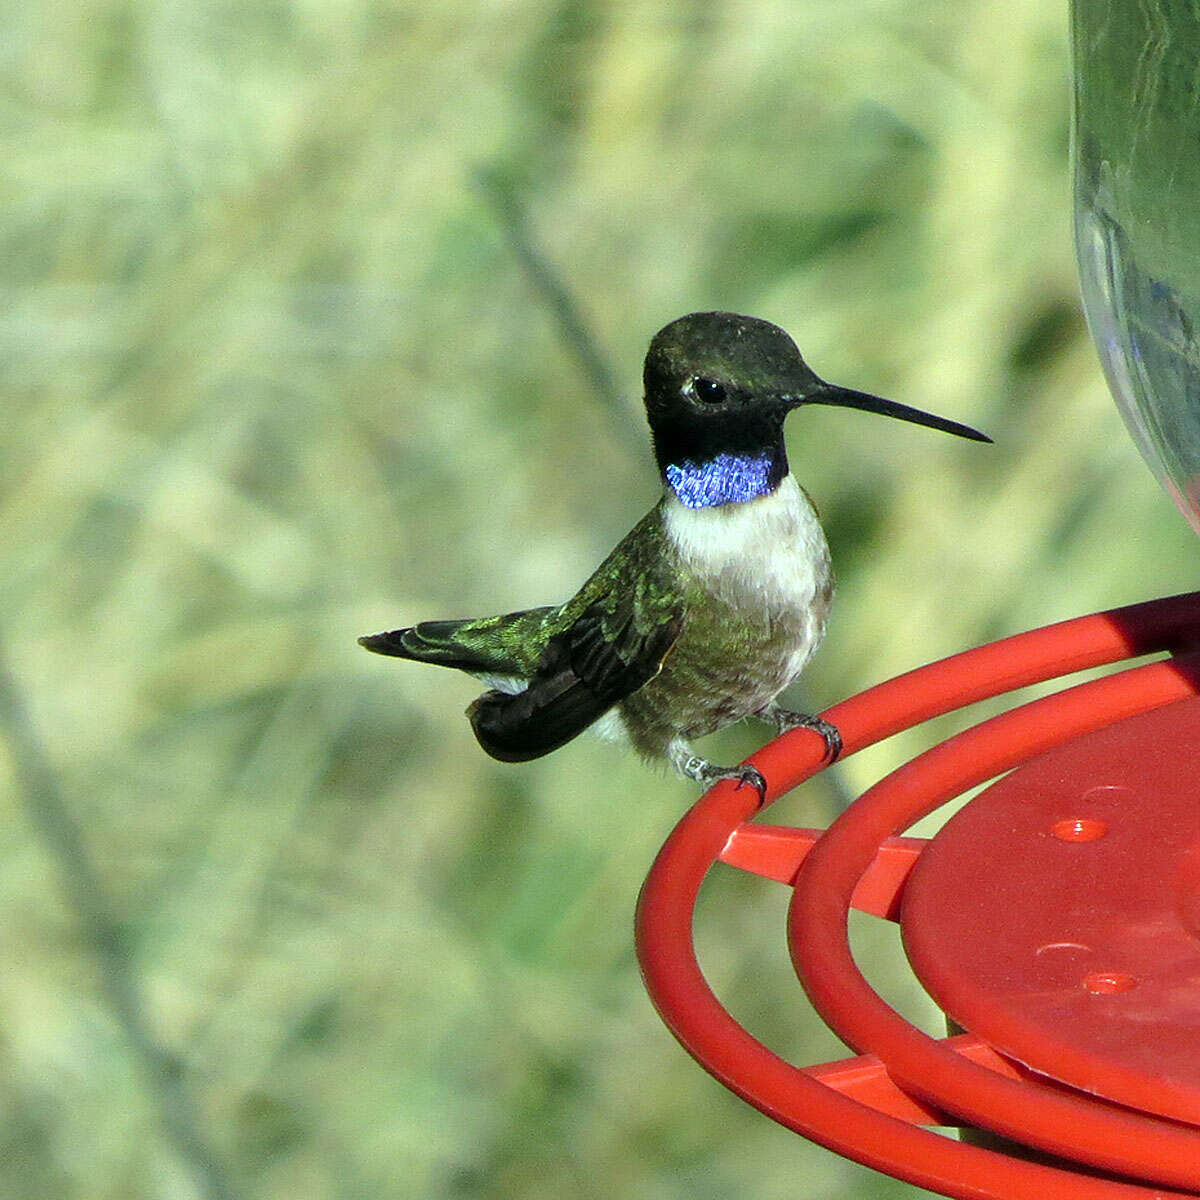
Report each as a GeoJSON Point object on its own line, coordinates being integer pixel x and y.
{"type": "Point", "coordinates": [726, 479]}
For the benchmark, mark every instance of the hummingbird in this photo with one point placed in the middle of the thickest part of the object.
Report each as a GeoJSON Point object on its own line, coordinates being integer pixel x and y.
{"type": "Point", "coordinates": [710, 606]}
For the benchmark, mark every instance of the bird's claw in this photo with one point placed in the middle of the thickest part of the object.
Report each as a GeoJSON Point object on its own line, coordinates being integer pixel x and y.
{"type": "Point", "coordinates": [746, 774]}
{"type": "Point", "coordinates": [707, 774]}
{"type": "Point", "coordinates": [832, 736]}
{"type": "Point", "coordinates": [785, 722]}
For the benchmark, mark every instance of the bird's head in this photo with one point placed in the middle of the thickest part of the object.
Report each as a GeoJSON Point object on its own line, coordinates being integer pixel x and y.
{"type": "Point", "coordinates": [718, 387]}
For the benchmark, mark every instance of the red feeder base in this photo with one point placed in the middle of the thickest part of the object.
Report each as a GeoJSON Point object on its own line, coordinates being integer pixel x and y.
{"type": "Point", "coordinates": [1055, 917]}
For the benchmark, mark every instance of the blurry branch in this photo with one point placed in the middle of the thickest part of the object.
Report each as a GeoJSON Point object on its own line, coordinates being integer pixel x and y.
{"type": "Point", "coordinates": [573, 330]}
{"type": "Point", "coordinates": [583, 345]}
{"type": "Point", "coordinates": [48, 812]}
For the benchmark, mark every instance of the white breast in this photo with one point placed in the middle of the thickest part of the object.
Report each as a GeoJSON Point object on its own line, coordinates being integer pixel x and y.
{"type": "Point", "coordinates": [769, 551]}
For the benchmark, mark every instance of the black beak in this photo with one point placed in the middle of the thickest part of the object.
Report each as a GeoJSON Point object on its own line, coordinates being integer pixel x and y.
{"type": "Point", "coordinates": [828, 393]}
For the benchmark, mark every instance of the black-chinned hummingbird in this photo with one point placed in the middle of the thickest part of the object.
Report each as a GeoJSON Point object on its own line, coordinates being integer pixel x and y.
{"type": "Point", "coordinates": [710, 606]}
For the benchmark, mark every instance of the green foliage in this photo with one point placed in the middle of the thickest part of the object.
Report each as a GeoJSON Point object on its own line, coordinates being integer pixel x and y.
{"type": "Point", "coordinates": [278, 374]}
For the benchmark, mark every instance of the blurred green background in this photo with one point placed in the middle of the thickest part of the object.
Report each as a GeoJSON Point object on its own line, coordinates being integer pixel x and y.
{"type": "Point", "coordinates": [324, 317]}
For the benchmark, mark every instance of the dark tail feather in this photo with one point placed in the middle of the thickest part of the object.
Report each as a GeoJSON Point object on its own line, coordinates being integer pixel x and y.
{"type": "Point", "coordinates": [391, 643]}
{"type": "Point", "coordinates": [436, 642]}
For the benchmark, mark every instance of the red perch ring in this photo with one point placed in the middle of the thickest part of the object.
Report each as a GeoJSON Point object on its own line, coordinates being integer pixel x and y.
{"type": "Point", "coordinates": [1056, 917]}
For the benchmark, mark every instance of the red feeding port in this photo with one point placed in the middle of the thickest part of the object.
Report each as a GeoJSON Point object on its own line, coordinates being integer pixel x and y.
{"type": "Point", "coordinates": [1055, 918]}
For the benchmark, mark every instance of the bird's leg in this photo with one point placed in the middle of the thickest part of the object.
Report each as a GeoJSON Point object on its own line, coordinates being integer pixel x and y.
{"type": "Point", "coordinates": [783, 720]}
{"type": "Point", "coordinates": [688, 763]}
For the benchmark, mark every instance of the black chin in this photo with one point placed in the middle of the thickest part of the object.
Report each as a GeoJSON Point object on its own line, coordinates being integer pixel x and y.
{"type": "Point", "coordinates": [679, 440]}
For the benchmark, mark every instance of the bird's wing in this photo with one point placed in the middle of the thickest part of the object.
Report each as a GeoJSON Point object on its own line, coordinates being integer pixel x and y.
{"type": "Point", "coordinates": [611, 649]}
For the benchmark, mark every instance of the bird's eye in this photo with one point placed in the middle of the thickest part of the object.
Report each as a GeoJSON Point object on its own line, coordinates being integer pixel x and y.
{"type": "Point", "coordinates": [709, 391]}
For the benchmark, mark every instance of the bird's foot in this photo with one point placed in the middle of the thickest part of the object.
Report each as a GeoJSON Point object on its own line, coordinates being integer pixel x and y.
{"type": "Point", "coordinates": [785, 721]}
{"type": "Point", "coordinates": [707, 774]}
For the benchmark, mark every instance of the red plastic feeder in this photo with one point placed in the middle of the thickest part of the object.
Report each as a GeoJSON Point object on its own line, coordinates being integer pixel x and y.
{"type": "Point", "coordinates": [1056, 917]}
